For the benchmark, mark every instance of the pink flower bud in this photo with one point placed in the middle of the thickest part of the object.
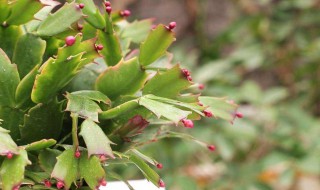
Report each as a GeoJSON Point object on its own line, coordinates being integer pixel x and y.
{"type": "Point", "coordinates": [81, 5]}
{"type": "Point", "coordinates": [47, 183]}
{"type": "Point", "coordinates": [207, 113]}
{"type": "Point", "coordinates": [70, 40]}
{"type": "Point", "coordinates": [159, 166]}
{"type": "Point", "coordinates": [161, 183]}
{"type": "Point", "coordinates": [239, 115]}
{"type": "Point", "coordinates": [80, 27]}
{"type": "Point", "coordinates": [189, 78]}
{"type": "Point", "coordinates": [103, 182]}
{"type": "Point", "coordinates": [172, 25]}
{"type": "Point", "coordinates": [125, 13]}
{"type": "Point", "coordinates": [211, 148]}
{"type": "Point", "coordinates": [9, 155]}
{"type": "Point", "coordinates": [77, 154]}
{"type": "Point", "coordinates": [201, 86]}
{"type": "Point", "coordinates": [187, 123]}
{"type": "Point", "coordinates": [16, 187]}
{"type": "Point", "coordinates": [107, 4]}
{"type": "Point", "coordinates": [60, 184]}
{"type": "Point", "coordinates": [186, 72]}
{"type": "Point", "coordinates": [99, 47]}
{"type": "Point", "coordinates": [109, 9]}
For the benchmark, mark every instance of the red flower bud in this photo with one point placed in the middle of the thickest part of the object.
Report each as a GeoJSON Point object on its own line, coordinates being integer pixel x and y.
{"type": "Point", "coordinates": [239, 115]}
{"type": "Point", "coordinates": [77, 154]}
{"type": "Point", "coordinates": [103, 182]}
{"type": "Point", "coordinates": [207, 113]}
{"type": "Point", "coordinates": [107, 4]}
{"type": "Point", "coordinates": [99, 47]}
{"type": "Point", "coordinates": [125, 13]}
{"type": "Point", "coordinates": [161, 183]}
{"type": "Point", "coordinates": [47, 183]}
{"type": "Point", "coordinates": [159, 166]}
{"type": "Point", "coordinates": [211, 148]}
{"type": "Point", "coordinates": [81, 5]}
{"type": "Point", "coordinates": [172, 25]}
{"type": "Point", "coordinates": [60, 184]}
{"type": "Point", "coordinates": [70, 40]}
{"type": "Point", "coordinates": [189, 78]}
{"type": "Point", "coordinates": [201, 86]}
{"type": "Point", "coordinates": [187, 123]}
{"type": "Point", "coordinates": [16, 187]}
{"type": "Point", "coordinates": [186, 72]}
{"type": "Point", "coordinates": [200, 104]}
{"type": "Point", "coordinates": [109, 9]}
{"type": "Point", "coordinates": [9, 155]}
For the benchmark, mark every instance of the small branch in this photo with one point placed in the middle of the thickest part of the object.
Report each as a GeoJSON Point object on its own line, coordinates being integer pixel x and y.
{"type": "Point", "coordinates": [75, 131]}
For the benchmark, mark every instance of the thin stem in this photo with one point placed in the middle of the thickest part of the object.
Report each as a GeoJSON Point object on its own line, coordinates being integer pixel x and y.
{"type": "Point", "coordinates": [156, 68]}
{"type": "Point", "coordinates": [75, 131]}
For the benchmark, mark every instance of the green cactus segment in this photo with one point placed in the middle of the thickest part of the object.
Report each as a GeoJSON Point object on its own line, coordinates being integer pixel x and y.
{"type": "Point", "coordinates": [190, 106]}
{"type": "Point", "coordinates": [137, 31]}
{"type": "Point", "coordinates": [48, 159]}
{"type": "Point", "coordinates": [93, 95]}
{"type": "Point", "coordinates": [156, 45]}
{"type": "Point", "coordinates": [60, 21]}
{"type": "Point", "coordinates": [144, 157]}
{"type": "Point", "coordinates": [4, 10]}
{"type": "Point", "coordinates": [167, 84]}
{"type": "Point", "coordinates": [91, 170]}
{"type": "Point", "coordinates": [7, 144]}
{"type": "Point", "coordinates": [43, 121]}
{"type": "Point", "coordinates": [97, 142]}
{"type": "Point", "coordinates": [148, 172]}
{"type": "Point", "coordinates": [9, 80]}
{"type": "Point", "coordinates": [119, 110]}
{"type": "Point", "coordinates": [24, 89]}
{"type": "Point", "coordinates": [83, 107]}
{"type": "Point", "coordinates": [126, 78]}
{"type": "Point", "coordinates": [8, 38]}
{"type": "Point", "coordinates": [220, 107]}
{"type": "Point", "coordinates": [111, 51]}
{"type": "Point", "coordinates": [39, 145]}
{"type": "Point", "coordinates": [28, 53]}
{"type": "Point", "coordinates": [12, 170]}
{"type": "Point", "coordinates": [92, 14]}
{"type": "Point", "coordinates": [161, 109]}
{"type": "Point", "coordinates": [37, 177]}
{"type": "Point", "coordinates": [20, 14]}
{"type": "Point", "coordinates": [66, 168]}
{"type": "Point", "coordinates": [53, 77]}
{"type": "Point", "coordinates": [13, 118]}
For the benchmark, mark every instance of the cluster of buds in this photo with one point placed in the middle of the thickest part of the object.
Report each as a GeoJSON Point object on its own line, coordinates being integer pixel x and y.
{"type": "Point", "coordinates": [187, 74]}
{"type": "Point", "coordinates": [107, 4]}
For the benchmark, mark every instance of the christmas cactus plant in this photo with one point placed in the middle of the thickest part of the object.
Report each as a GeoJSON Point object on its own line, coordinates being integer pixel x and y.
{"type": "Point", "coordinates": [83, 89]}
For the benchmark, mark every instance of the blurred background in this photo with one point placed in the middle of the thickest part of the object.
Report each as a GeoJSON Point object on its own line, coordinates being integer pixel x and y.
{"type": "Point", "coordinates": [264, 55]}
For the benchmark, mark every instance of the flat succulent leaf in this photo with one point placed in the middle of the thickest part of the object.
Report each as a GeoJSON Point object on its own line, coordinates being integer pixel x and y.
{"type": "Point", "coordinates": [184, 136]}
{"type": "Point", "coordinates": [156, 45]}
{"type": "Point", "coordinates": [4, 10]}
{"type": "Point", "coordinates": [43, 121]}
{"type": "Point", "coordinates": [8, 38]}
{"type": "Point", "coordinates": [125, 78]}
{"type": "Point", "coordinates": [6, 143]}
{"type": "Point", "coordinates": [167, 84]}
{"type": "Point", "coordinates": [20, 14]}
{"type": "Point", "coordinates": [190, 106]}
{"type": "Point", "coordinates": [48, 159]}
{"type": "Point", "coordinates": [137, 31]}
{"type": "Point", "coordinates": [53, 77]}
{"type": "Point", "coordinates": [93, 15]}
{"type": "Point", "coordinates": [13, 118]}
{"type": "Point", "coordinates": [118, 177]}
{"type": "Point", "coordinates": [119, 110]}
{"type": "Point", "coordinates": [66, 168]}
{"type": "Point", "coordinates": [39, 145]}
{"type": "Point", "coordinates": [60, 21]}
{"type": "Point", "coordinates": [111, 51]}
{"type": "Point", "coordinates": [91, 170]}
{"type": "Point", "coordinates": [83, 106]}
{"type": "Point", "coordinates": [161, 109]}
{"type": "Point", "coordinates": [93, 95]}
{"type": "Point", "coordinates": [12, 170]}
{"type": "Point", "coordinates": [9, 80]}
{"type": "Point", "coordinates": [28, 53]}
{"type": "Point", "coordinates": [96, 141]}
{"type": "Point", "coordinates": [148, 172]}
{"type": "Point", "coordinates": [37, 177]}
{"type": "Point", "coordinates": [220, 107]}
{"type": "Point", "coordinates": [144, 157]}
{"type": "Point", "coordinates": [24, 89]}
